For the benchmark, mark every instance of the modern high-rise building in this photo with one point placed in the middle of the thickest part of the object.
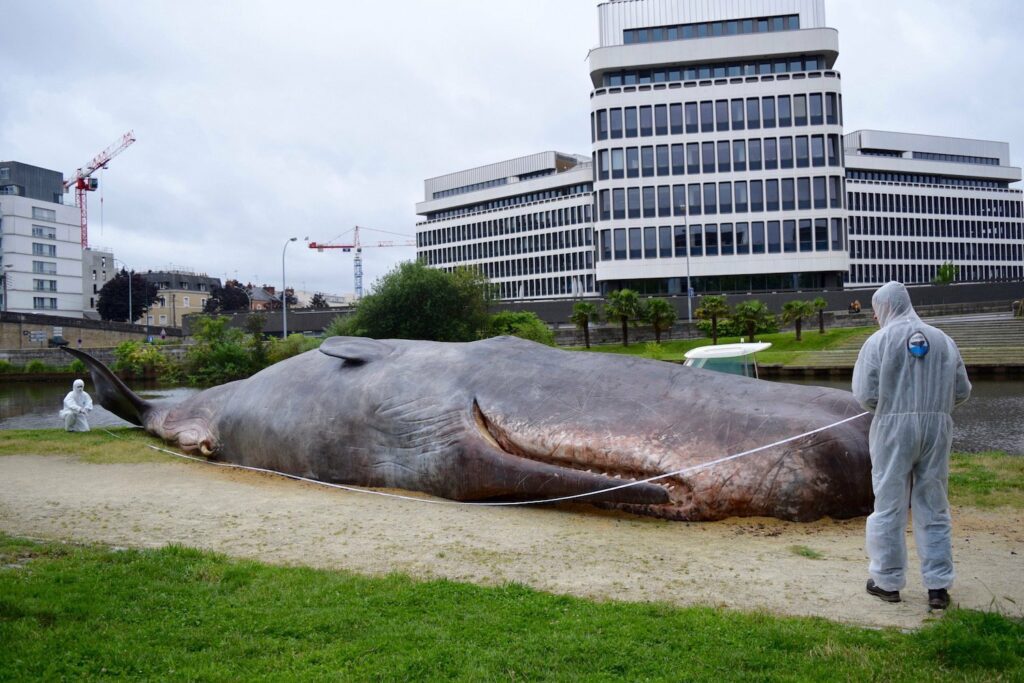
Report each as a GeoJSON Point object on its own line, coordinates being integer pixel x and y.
{"type": "Point", "coordinates": [40, 243]}
{"type": "Point", "coordinates": [526, 223]}
{"type": "Point", "coordinates": [919, 201]}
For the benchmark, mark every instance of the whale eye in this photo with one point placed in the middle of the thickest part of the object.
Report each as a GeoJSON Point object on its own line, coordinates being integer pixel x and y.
{"type": "Point", "coordinates": [917, 345]}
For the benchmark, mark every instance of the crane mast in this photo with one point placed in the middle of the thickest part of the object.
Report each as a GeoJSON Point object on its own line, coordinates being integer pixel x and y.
{"type": "Point", "coordinates": [83, 181]}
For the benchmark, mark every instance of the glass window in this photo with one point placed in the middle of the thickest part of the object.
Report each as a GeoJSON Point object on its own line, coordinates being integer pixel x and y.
{"type": "Point", "coordinates": [820, 234]}
{"type": "Point", "coordinates": [664, 200]}
{"type": "Point", "coordinates": [747, 26]}
{"type": "Point", "coordinates": [708, 154]}
{"type": "Point", "coordinates": [679, 239]}
{"type": "Point", "coordinates": [630, 122]}
{"type": "Point", "coordinates": [710, 199]}
{"type": "Point", "coordinates": [617, 163]}
{"type": "Point", "coordinates": [696, 240]}
{"type": "Point", "coordinates": [753, 113]}
{"type": "Point", "coordinates": [806, 238]}
{"type": "Point", "coordinates": [649, 202]}
{"type": "Point", "coordinates": [692, 158]}
{"type": "Point", "coordinates": [737, 114]}
{"type": "Point", "coordinates": [618, 203]}
{"type": "Point", "coordinates": [833, 150]}
{"type": "Point", "coordinates": [679, 200]}
{"type": "Point", "coordinates": [786, 152]}
{"type": "Point", "coordinates": [635, 209]}
{"type": "Point", "coordinates": [675, 118]}
{"type": "Point", "coordinates": [803, 186]}
{"type": "Point", "coordinates": [837, 234]}
{"type": "Point", "coordinates": [741, 196]}
{"type": "Point", "coordinates": [711, 240]}
{"type": "Point", "coordinates": [725, 197]}
{"type": "Point", "coordinates": [634, 243]}
{"type": "Point", "coordinates": [817, 118]}
{"type": "Point", "coordinates": [788, 194]}
{"type": "Point", "coordinates": [789, 236]}
{"type": "Point", "coordinates": [756, 195]}
{"type": "Point", "coordinates": [605, 204]}
{"type": "Point", "coordinates": [647, 161]}
{"type": "Point", "coordinates": [757, 241]}
{"type": "Point", "coordinates": [726, 239]}
{"type": "Point", "coordinates": [754, 154]}
{"type": "Point", "coordinates": [661, 119]}
{"type": "Point", "coordinates": [646, 127]}
{"type": "Point", "coordinates": [650, 243]}
{"type": "Point", "coordinates": [774, 238]}
{"type": "Point", "coordinates": [707, 116]}
{"type": "Point", "coordinates": [771, 191]}
{"type": "Point", "coordinates": [616, 122]}
{"type": "Point", "coordinates": [602, 124]}
{"type": "Point", "coordinates": [724, 165]}
{"type": "Point", "coordinates": [722, 114]}
{"type": "Point", "coordinates": [771, 154]}
{"type": "Point", "coordinates": [831, 109]}
{"type": "Point", "coordinates": [768, 111]}
{"type": "Point", "coordinates": [678, 161]}
{"type": "Point", "coordinates": [835, 196]}
{"type": "Point", "coordinates": [739, 155]}
{"type": "Point", "coordinates": [691, 117]}
{"type": "Point", "coordinates": [662, 159]}
{"type": "Point", "coordinates": [818, 150]}
{"type": "Point", "coordinates": [778, 23]}
{"type": "Point", "coordinates": [785, 111]}
{"type": "Point", "coordinates": [742, 239]}
{"type": "Point", "coordinates": [802, 160]}
{"type": "Point", "coordinates": [799, 110]}
{"type": "Point", "coordinates": [620, 244]}
{"type": "Point", "coordinates": [632, 162]}
{"type": "Point", "coordinates": [820, 194]}
{"type": "Point", "coordinates": [665, 242]}
{"type": "Point", "coordinates": [693, 201]}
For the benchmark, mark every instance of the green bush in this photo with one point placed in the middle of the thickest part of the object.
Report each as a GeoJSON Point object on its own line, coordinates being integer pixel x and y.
{"type": "Point", "coordinates": [654, 350]}
{"type": "Point", "coordinates": [219, 355]}
{"type": "Point", "coordinates": [295, 344]}
{"type": "Point", "coordinates": [522, 324]}
{"type": "Point", "coordinates": [36, 367]}
{"type": "Point", "coordinates": [6, 366]}
{"type": "Point", "coordinates": [144, 360]}
{"type": "Point", "coordinates": [77, 367]}
{"type": "Point", "coordinates": [341, 326]}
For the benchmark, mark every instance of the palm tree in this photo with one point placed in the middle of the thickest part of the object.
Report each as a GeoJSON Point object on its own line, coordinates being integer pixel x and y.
{"type": "Point", "coordinates": [712, 307]}
{"type": "Point", "coordinates": [820, 305]}
{"type": "Point", "coordinates": [661, 315]}
{"type": "Point", "coordinates": [752, 316]}
{"type": "Point", "coordinates": [582, 313]}
{"type": "Point", "coordinates": [623, 305]}
{"type": "Point", "coordinates": [795, 312]}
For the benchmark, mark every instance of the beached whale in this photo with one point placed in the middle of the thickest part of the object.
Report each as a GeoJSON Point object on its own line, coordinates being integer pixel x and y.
{"type": "Point", "coordinates": [505, 418]}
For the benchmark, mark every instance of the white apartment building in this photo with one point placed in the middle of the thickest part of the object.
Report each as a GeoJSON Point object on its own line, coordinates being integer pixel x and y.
{"type": "Point", "coordinates": [918, 201]}
{"type": "Point", "coordinates": [717, 132]}
{"type": "Point", "coordinates": [40, 243]}
{"type": "Point", "coordinates": [525, 223]}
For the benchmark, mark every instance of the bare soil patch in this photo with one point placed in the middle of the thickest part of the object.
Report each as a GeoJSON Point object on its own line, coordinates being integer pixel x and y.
{"type": "Point", "coordinates": [744, 564]}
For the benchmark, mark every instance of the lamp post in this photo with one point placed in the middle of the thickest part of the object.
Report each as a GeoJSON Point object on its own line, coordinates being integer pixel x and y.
{"type": "Point", "coordinates": [284, 291]}
{"type": "Point", "coordinates": [125, 266]}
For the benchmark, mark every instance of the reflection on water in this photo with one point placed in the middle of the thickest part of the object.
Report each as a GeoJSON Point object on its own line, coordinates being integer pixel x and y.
{"type": "Point", "coordinates": [34, 405]}
{"type": "Point", "coordinates": [992, 420]}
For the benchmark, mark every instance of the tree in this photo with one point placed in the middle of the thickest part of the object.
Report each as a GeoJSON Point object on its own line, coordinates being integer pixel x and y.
{"type": "Point", "coordinates": [712, 307]}
{"type": "Point", "coordinates": [583, 312]}
{"type": "Point", "coordinates": [753, 316]}
{"type": "Point", "coordinates": [113, 299]}
{"type": "Point", "coordinates": [795, 312]}
{"type": "Point", "coordinates": [254, 324]}
{"type": "Point", "coordinates": [319, 302]}
{"type": "Point", "coordinates": [623, 305]}
{"type": "Point", "coordinates": [946, 274]}
{"type": "Point", "coordinates": [661, 315]}
{"type": "Point", "coordinates": [229, 298]}
{"type": "Point", "coordinates": [820, 305]}
{"type": "Point", "coordinates": [416, 302]}
{"type": "Point", "coordinates": [522, 324]}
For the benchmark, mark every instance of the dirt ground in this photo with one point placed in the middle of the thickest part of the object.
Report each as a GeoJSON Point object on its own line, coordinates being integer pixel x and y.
{"type": "Point", "coordinates": [745, 564]}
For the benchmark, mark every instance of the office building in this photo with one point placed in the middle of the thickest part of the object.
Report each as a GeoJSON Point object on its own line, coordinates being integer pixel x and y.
{"type": "Point", "coordinates": [525, 223]}
{"type": "Point", "coordinates": [40, 243]}
{"type": "Point", "coordinates": [918, 201]}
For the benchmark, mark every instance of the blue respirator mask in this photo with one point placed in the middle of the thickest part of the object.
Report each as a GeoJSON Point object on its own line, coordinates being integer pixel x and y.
{"type": "Point", "coordinates": [917, 345]}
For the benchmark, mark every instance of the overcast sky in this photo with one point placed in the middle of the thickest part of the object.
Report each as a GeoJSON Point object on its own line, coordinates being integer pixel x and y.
{"type": "Point", "coordinates": [260, 121]}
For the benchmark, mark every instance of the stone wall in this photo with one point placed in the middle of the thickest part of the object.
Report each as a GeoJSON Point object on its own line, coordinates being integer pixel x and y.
{"type": "Point", "coordinates": [15, 329]}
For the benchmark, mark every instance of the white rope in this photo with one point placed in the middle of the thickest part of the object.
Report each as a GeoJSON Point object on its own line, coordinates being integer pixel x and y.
{"type": "Point", "coordinates": [575, 496]}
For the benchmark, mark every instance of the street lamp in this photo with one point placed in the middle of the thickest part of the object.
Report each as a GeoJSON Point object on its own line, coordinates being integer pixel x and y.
{"type": "Point", "coordinates": [284, 291]}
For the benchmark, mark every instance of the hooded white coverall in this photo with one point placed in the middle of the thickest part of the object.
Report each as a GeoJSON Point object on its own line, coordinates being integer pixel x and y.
{"type": "Point", "coordinates": [77, 405]}
{"type": "Point", "coordinates": [910, 439]}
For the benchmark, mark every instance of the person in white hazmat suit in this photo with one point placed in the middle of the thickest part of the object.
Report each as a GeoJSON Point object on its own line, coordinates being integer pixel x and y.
{"type": "Point", "coordinates": [77, 405]}
{"type": "Point", "coordinates": [910, 375]}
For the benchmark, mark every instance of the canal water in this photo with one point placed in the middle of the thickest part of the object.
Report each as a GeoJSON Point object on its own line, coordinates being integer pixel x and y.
{"type": "Point", "coordinates": [992, 420]}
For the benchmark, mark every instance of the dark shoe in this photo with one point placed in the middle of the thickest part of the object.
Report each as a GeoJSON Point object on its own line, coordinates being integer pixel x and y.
{"type": "Point", "coordinates": [938, 599]}
{"type": "Point", "coordinates": [888, 596]}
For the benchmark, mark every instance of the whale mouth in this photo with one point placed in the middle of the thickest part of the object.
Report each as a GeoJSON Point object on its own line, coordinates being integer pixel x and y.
{"type": "Point", "coordinates": [672, 491]}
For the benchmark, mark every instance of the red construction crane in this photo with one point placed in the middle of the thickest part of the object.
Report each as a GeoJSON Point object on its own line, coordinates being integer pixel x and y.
{"type": "Point", "coordinates": [358, 247]}
{"type": "Point", "coordinates": [83, 181]}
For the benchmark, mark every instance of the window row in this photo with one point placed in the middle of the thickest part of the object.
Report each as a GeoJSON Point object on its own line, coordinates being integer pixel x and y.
{"type": "Point", "coordinates": [44, 232]}
{"type": "Point", "coordinates": [723, 239]}
{"type": "Point", "coordinates": [44, 250]}
{"type": "Point", "coordinates": [547, 287]}
{"type": "Point", "coordinates": [923, 273]}
{"type": "Point", "coordinates": [884, 202]}
{"type": "Point", "coordinates": [518, 200]}
{"type": "Point", "coordinates": [40, 214]}
{"type": "Point", "coordinates": [903, 250]}
{"type": "Point", "coordinates": [572, 215]}
{"type": "Point", "coordinates": [710, 29]}
{"type": "Point", "coordinates": [44, 285]}
{"type": "Point", "coordinates": [959, 158]}
{"type": "Point", "coordinates": [44, 267]}
{"type": "Point", "coordinates": [528, 244]}
{"type": "Point", "coordinates": [721, 156]}
{"type": "Point", "coordinates": [551, 263]}
{"type": "Point", "coordinates": [922, 179]}
{"type": "Point", "coordinates": [43, 303]}
{"type": "Point", "coordinates": [700, 72]}
{"type": "Point", "coordinates": [695, 199]}
{"type": "Point", "coordinates": [707, 116]}
{"type": "Point", "coordinates": [470, 188]}
{"type": "Point", "coordinates": [930, 227]}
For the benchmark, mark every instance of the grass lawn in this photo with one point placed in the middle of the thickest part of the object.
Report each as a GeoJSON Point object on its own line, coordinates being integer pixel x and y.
{"type": "Point", "coordinates": [785, 348]}
{"type": "Point", "coordinates": [174, 613]}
